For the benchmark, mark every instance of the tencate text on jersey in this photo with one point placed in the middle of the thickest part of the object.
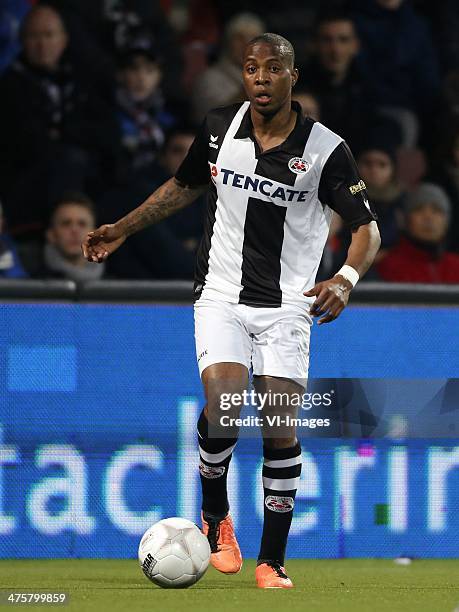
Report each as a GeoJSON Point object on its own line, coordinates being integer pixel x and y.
{"type": "Point", "coordinates": [261, 186]}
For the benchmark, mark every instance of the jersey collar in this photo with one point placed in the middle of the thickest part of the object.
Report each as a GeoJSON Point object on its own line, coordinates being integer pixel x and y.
{"type": "Point", "coordinates": [290, 144]}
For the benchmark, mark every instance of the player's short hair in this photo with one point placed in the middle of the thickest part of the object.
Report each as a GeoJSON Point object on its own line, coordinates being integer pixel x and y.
{"type": "Point", "coordinates": [284, 46]}
{"type": "Point", "coordinates": [72, 197]}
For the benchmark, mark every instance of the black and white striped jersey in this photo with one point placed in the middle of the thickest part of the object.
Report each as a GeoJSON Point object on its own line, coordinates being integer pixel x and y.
{"type": "Point", "coordinates": [268, 212]}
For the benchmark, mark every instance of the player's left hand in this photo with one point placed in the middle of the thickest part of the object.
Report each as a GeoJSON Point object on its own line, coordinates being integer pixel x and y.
{"type": "Point", "coordinates": [332, 297]}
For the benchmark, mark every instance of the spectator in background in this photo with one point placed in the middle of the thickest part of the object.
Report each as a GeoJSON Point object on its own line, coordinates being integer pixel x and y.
{"type": "Point", "coordinates": [56, 134]}
{"type": "Point", "coordinates": [443, 19]}
{"type": "Point", "coordinates": [377, 167]}
{"type": "Point", "coordinates": [10, 264]}
{"type": "Point", "coordinates": [221, 84]}
{"type": "Point", "coordinates": [398, 60]}
{"type": "Point", "coordinates": [72, 218]}
{"type": "Point", "coordinates": [421, 257]}
{"type": "Point", "coordinates": [309, 103]}
{"type": "Point", "coordinates": [186, 225]}
{"type": "Point", "coordinates": [141, 113]}
{"type": "Point", "coordinates": [445, 172]}
{"type": "Point", "coordinates": [11, 14]}
{"type": "Point", "coordinates": [100, 29]}
{"type": "Point", "coordinates": [167, 249]}
{"type": "Point", "coordinates": [333, 76]}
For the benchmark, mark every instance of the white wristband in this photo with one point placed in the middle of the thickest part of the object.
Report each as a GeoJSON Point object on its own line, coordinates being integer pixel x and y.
{"type": "Point", "coordinates": [350, 274]}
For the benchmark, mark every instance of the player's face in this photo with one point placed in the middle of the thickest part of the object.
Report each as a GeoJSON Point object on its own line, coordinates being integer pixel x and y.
{"type": "Point", "coordinates": [376, 169]}
{"type": "Point", "coordinates": [337, 45]}
{"type": "Point", "coordinates": [44, 39]}
{"type": "Point", "coordinates": [428, 223]}
{"type": "Point", "coordinates": [268, 78]}
{"type": "Point", "coordinates": [70, 226]}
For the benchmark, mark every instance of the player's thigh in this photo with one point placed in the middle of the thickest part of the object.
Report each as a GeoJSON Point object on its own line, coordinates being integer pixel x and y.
{"type": "Point", "coordinates": [281, 344]}
{"type": "Point", "coordinates": [223, 348]}
{"type": "Point", "coordinates": [220, 335]}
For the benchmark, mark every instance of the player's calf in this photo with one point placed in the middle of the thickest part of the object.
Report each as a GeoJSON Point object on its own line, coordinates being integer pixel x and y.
{"type": "Point", "coordinates": [215, 455]}
{"type": "Point", "coordinates": [281, 475]}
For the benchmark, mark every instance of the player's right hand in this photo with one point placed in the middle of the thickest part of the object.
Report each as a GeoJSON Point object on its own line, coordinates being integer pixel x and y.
{"type": "Point", "coordinates": [102, 242]}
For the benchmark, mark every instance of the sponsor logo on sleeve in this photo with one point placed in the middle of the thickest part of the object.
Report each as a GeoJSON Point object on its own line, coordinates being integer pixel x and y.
{"type": "Point", "coordinates": [360, 186]}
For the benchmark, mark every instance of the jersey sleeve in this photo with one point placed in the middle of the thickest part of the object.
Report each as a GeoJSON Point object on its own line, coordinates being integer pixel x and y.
{"type": "Point", "coordinates": [343, 190]}
{"type": "Point", "coordinates": [194, 170]}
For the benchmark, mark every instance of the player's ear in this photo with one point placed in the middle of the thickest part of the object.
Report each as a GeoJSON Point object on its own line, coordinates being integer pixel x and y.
{"type": "Point", "coordinates": [295, 75]}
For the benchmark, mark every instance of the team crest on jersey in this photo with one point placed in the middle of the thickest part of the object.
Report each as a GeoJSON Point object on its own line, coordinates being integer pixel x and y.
{"type": "Point", "coordinates": [298, 165]}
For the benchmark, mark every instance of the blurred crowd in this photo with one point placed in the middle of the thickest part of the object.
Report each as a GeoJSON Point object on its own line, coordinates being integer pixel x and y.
{"type": "Point", "coordinates": [100, 101]}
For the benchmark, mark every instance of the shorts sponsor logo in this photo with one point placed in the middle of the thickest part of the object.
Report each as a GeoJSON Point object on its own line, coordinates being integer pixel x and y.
{"type": "Point", "coordinates": [276, 503]}
{"type": "Point", "coordinates": [203, 354]}
{"type": "Point", "coordinates": [148, 564]}
{"type": "Point", "coordinates": [360, 186]}
{"type": "Point", "coordinates": [298, 165]}
{"type": "Point", "coordinates": [210, 471]}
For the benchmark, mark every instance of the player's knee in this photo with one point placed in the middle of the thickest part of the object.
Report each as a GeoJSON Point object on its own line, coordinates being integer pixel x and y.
{"type": "Point", "coordinates": [224, 400]}
{"type": "Point", "coordinates": [212, 412]}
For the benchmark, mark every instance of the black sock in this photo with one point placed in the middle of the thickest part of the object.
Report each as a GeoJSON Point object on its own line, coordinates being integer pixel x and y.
{"type": "Point", "coordinates": [215, 456]}
{"type": "Point", "coordinates": [281, 474]}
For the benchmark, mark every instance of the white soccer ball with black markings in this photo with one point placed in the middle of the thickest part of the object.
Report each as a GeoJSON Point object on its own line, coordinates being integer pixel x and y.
{"type": "Point", "coordinates": [174, 553]}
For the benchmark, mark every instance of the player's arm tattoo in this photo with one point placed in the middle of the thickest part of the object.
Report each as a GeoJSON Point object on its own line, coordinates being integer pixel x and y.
{"type": "Point", "coordinates": [167, 199]}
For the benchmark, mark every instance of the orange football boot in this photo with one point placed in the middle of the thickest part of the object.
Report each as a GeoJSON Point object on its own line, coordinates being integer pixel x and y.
{"type": "Point", "coordinates": [271, 575]}
{"type": "Point", "coordinates": [225, 552]}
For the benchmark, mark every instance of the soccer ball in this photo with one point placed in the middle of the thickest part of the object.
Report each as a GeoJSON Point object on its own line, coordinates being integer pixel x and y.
{"type": "Point", "coordinates": [173, 553]}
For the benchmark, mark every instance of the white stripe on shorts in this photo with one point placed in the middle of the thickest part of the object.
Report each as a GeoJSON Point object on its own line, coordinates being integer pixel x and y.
{"type": "Point", "coordinates": [216, 457]}
{"type": "Point", "coordinates": [281, 484]}
{"type": "Point", "coordinates": [281, 463]}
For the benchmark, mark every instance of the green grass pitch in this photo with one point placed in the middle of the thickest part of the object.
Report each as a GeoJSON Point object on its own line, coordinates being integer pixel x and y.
{"type": "Point", "coordinates": [354, 585]}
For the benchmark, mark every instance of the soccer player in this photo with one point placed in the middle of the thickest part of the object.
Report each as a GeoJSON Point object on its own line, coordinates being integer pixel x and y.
{"type": "Point", "coordinates": [273, 179]}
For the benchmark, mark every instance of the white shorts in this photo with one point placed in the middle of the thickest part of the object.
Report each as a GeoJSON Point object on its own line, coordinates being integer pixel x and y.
{"type": "Point", "coordinates": [271, 341]}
